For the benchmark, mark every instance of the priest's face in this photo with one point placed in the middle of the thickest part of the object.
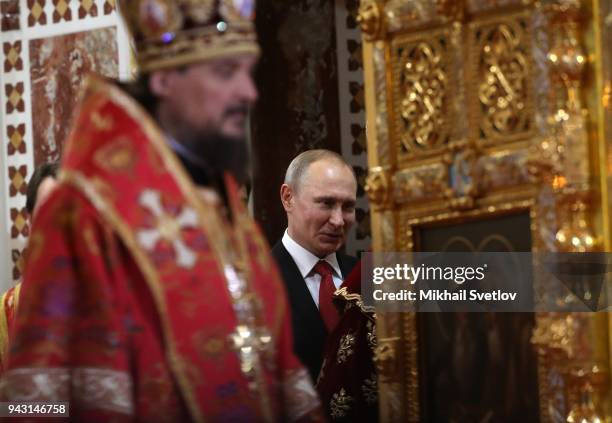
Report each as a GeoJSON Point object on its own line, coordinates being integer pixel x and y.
{"type": "Point", "coordinates": [213, 96]}
{"type": "Point", "coordinates": [205, 106]}
{"type": "Point", "coordinates": [321, 208]}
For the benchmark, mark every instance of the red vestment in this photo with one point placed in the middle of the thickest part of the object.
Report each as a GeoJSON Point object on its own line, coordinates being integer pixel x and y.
{"type": "Point", "coordinates": [140, 301]}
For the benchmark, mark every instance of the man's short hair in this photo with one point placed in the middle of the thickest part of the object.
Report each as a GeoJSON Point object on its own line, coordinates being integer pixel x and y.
{"type": "Point", "coordinates": [300, 164]}
{"type": "Point", "coordinates": [43, 171]}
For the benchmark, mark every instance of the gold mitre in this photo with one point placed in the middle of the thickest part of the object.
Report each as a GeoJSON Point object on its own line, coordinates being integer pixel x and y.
{"type": "Point", "coordinates": [172, 33]}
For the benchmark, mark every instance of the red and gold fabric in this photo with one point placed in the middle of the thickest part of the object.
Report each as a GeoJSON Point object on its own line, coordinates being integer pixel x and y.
{"type": "Point", "coordinates": [8, 308]}
{"type": "Point", "coordinates": [140, 300]}
{"type": "Point", "coordinates": [347, 383]}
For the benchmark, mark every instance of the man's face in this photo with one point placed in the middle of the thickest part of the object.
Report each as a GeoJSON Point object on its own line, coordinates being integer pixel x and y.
{"type": "Point", "coordinates": [322, 210]}
{"type": "Point", "coordinates": [212, 97]}
{"type": "Point", "coordinates": [205, 108]}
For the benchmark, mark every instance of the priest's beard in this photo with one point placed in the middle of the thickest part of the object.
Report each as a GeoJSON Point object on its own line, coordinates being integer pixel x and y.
{"type": "Point", "coordinates": [211, 154]}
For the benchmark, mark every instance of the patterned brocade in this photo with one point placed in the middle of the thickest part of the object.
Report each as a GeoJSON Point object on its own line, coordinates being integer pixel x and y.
{"type": "Point", "coordinates": [340, 404]}
{"type": "Point", "coordinates": [86, 388]}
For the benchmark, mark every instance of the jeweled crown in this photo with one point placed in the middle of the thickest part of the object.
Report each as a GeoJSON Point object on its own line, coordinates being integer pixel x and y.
{"type": "Point", "coordinates": [173, 33]}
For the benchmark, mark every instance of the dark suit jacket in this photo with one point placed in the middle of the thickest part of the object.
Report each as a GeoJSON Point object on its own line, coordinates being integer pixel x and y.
{"type": "Point", "coordinates": [309, 332]}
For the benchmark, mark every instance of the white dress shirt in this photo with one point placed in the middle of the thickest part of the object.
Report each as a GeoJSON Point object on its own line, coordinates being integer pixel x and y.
{"type": "Point", "coordinates": [306, 261]}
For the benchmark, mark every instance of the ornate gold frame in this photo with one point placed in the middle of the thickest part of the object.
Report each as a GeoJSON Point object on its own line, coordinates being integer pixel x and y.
{"type": "Point", "coordinates": [545, 92]}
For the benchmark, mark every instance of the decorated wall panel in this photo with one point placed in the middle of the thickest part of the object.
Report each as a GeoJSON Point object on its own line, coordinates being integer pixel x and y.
{"type": "Point", "coordinates": [352, 114]}
{"type": "Point", "coordinates": [48, 48]}
{"type": "Point", "coordinates": [56, 82]}
{"type": "Point", "coordinates": [500, 60]}
{"type": "Point", "coordinates": [424, 91]}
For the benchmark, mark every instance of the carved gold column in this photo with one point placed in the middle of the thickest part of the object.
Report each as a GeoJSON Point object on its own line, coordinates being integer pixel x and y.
{"type": "Point", "coordinates": [462, 97]}
{"type": "Point", "coordinates": [390, 182]}
{"type": "Point", "coordinates": [601, 98]}
{"type": "Point", "coordinates": [389, 354]}
{"type": "Point", "coordinates": [573, 346]}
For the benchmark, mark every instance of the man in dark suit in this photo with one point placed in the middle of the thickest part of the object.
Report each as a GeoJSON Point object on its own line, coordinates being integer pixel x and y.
{"type": "Point", "coordinates": [319, 197]}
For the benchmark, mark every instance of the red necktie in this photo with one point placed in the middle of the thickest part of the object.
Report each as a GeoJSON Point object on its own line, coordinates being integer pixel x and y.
{"type": "Point", "coordinates": [328, 310]}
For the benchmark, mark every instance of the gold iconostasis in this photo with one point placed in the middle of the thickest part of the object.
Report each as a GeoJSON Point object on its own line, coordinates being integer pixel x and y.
{"type": "Point", "coordinates": [489, 129]}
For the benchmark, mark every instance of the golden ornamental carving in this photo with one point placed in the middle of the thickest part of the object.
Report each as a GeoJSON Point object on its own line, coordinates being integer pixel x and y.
{"type": "Point", "coordinates": [575, 234]}
{"type": "Point", "coordinates": [423, 85]}
{"type": "Point", "coordinates": [386, 360]}
{"type": "Point", "coordinates": [585, 382]}
{"type": "Point", "coordinates": [545, 160]}
{"type": "Point", "coordinates": [554, 332]}
{"type": "Point", "coordinates": [370, 19]}
{"type": "Point", "coordinates": [561, 159]}
{"type": "Point", "coordinates": [377, 187]}
{"type": "Point", "coordinates": [561, 341]}
{"type": "Point", "coordinates": [566, 57]}
{"type": "Point", "coordinates": [451, 9]}
{"type": "Point", "coordinates": [505, 75]}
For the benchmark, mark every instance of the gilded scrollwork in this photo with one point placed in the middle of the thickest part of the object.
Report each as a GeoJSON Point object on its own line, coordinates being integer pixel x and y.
{"type": "Point", "coordinates": [503, 90]}
{"type": "Point", "coordinates": [378, 187]}
{"type": "Point", "coordinates": [423, 84]}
